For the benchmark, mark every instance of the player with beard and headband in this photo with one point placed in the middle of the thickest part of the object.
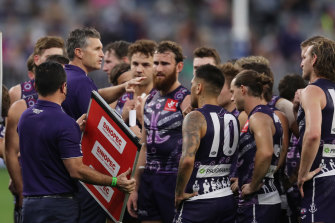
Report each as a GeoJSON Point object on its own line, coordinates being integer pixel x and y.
{"type": "Point", "coordinates": [156, 170]}
{"type": "Point", "coordinates": [210, 137]}
{"type": "Point", "coordinates": [316, 175]}
{"type": "Point", "coordinates": [257, 159]}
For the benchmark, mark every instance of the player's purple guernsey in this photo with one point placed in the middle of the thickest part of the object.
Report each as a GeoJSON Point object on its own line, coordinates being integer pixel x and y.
{"type": "Point", "coordinates": [121, 101]}
{"type": "Point", "coordinates": [318, 202]}
{"type": "Point", "coordinates": [326, 153]}
{"type": "Point", "coordinates": [268, 194]}
{"type": "Point", "coordinates": [210, 176]}
{"type": "Point", "coordinates": [273, 101]}
{"type": "Point", "coordinates": [28, 93]}
{"type": "Point", "coordinates": [163, 120]}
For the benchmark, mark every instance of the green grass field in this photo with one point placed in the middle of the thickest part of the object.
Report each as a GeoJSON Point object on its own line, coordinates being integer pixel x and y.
{"type": "Point", "coordinates": [6, 198]}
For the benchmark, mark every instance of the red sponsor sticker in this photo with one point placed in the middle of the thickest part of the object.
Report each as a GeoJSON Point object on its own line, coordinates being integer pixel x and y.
{"type": "Point", "coordinates": [245, 127]}
{"type": "Point", "coordinates": [171, 105]}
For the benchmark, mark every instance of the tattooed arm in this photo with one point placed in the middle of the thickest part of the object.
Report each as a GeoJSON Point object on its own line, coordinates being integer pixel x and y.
{"type": "Point", "coordinates": [194, 128]}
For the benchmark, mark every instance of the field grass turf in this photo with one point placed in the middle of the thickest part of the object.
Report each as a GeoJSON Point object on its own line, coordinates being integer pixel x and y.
{"type": "Point", "coordinates": [6, 198]}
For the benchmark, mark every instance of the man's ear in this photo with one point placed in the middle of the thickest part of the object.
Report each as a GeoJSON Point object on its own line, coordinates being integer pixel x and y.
{"type": "Point", "coordinates": [125, 59]}
{"type": "Point", "coordinates": [199, 88]}
{"type": "Point", "coordinates": [314, 59]}
{"type": "Point", "coordinates": [180, 66]}
{"type": "Point", "coordinates": [36, 59]}
{"type": "Point", "coordinates": [244, 89]}
{"type": "Point", "coordinates": [78, 52]}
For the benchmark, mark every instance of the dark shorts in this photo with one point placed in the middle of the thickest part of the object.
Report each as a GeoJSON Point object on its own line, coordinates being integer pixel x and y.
{"type": "Point", "coordinates": [90, 210]}
{"type": "Point", "coordinates": [323, 207]}
{"type": "Point", "coordinates": [259, 213]}
{"type": "Point", "coordinates": [216, 210]}
{"type": "Point", "coordinates": [156, 197]}
{"type": "Point", "coordinates": [51, 210]}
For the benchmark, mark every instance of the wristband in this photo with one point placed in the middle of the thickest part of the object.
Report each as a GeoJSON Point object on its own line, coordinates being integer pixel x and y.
{"type": "Point", "coordinates": [114, 180]}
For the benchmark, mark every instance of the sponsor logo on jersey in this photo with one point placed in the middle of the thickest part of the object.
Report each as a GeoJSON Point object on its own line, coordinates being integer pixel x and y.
{"type": "Point", "coordinates": [245, 127]}
{"type": "Point", "coordinates": [171, 105]}
{"type": "Point", "coordinates": [213, 170]}
{"type": "Point", "coordinates": [105, 159]}
{"type": "Point", "coordinates": [112, 135]}
{"type": "Point", "coordinates": [328, 150]}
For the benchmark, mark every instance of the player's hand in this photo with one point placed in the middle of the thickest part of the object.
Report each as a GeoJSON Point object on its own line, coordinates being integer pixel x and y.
{"type": "Point", "coordinates": [18, 194]}
{"type": "Point", "coordinates": [306, 177]}
{"type": "Point", "coordinates": [124, 184]}
{"type": "Point", "coordinates": [131, 84]}
{"type": "Point", "coordinates": [132, 204]}
{"type": "Point", "coordinates": [234, 184]}
{"type": "Point", "coordinates": [248, 190]}
{"type": "Point", "coordinates": [128, 105]}
{"type": "Point", "coordinates": [139, 107]}
{"type": "Point", "coordinates": [81, 121]}
{"type": "Point", "coordinates": [179, 199]}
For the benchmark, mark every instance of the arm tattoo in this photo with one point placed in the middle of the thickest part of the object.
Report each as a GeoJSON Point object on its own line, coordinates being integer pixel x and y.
{"type": "Point", "coordinates": [192, 133]}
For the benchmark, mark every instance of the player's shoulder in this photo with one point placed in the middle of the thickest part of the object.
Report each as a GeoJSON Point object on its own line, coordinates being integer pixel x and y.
{"type": "Point", "coordinates": [15, 93]}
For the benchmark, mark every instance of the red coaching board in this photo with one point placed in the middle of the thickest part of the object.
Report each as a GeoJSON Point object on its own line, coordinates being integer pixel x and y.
{"type": "Point", "coordinates": [110, 147]}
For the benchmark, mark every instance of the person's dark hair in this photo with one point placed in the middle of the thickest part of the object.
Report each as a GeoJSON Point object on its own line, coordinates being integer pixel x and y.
{"type": "Point", "coordinates": [78, 39]}
{"type": "Point", "coordinates": [232, 61]}
{"type": "Point", "coordinates": [31, 63]}
{"type": "Point", "coordinates": [170, 46]}
{"type": "Point", "coordinates": [324, 66]}
{"type": "Point", "coordinates": [58, 58]}
{"type": "Point", "coordinates": [120, 48]}
{"type": "Point", "coordinates": [5, 101]}
{"type": "Point", "coordinates": [212, 76]}
{"type": "Point", "coordinates": [48, 42]}
{"type": "Point", "coordinates": [144, 46]}
{"type": "Point", "coordinates": [309, 41]}
{"type": "Point", "coordinates": [259, 68]}
{"type": "Point", "coordinates": [49, 77]}
{"type": "Point", "coordinates": [289, 85]}
{"type": "Point", "coordinates": [257, 83]}
{"type": "Point", "coordinates": [202, 52]}
{"type": "Point", "coordinates": [262, 69]}
{"type": "Point", "coordinates": [229, 72]}
{"type": "Point", "coordinates": [117, 71]}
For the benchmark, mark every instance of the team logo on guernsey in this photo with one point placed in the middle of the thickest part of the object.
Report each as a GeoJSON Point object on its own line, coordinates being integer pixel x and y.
{"type": "Point", "coordinates": [171, 105]}
{"type": "Point", "coordinates": [112, 135]}
{"type": "Point", "coordinates": [328, 150]}
{"type": "Point", "coordinates": [245, 127]}
{"type": "Point", "coordinates": [37, 111]}
{"type": "Point", "coordinates": [105, 159]}
{"type": "Point", "coordinates": [213, 170]}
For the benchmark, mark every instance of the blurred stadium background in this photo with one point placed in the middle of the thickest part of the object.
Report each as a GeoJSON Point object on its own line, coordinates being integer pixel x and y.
{"type": "Point", "coordinates": [276, 28]}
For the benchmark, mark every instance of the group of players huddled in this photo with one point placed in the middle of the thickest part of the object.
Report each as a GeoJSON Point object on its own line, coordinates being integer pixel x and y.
{"type": "Point", "coordinates": [226, 150]}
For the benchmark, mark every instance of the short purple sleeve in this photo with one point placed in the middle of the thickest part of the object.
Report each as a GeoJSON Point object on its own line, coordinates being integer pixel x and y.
{"type": "Point", "coordinates": [69, 141]}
